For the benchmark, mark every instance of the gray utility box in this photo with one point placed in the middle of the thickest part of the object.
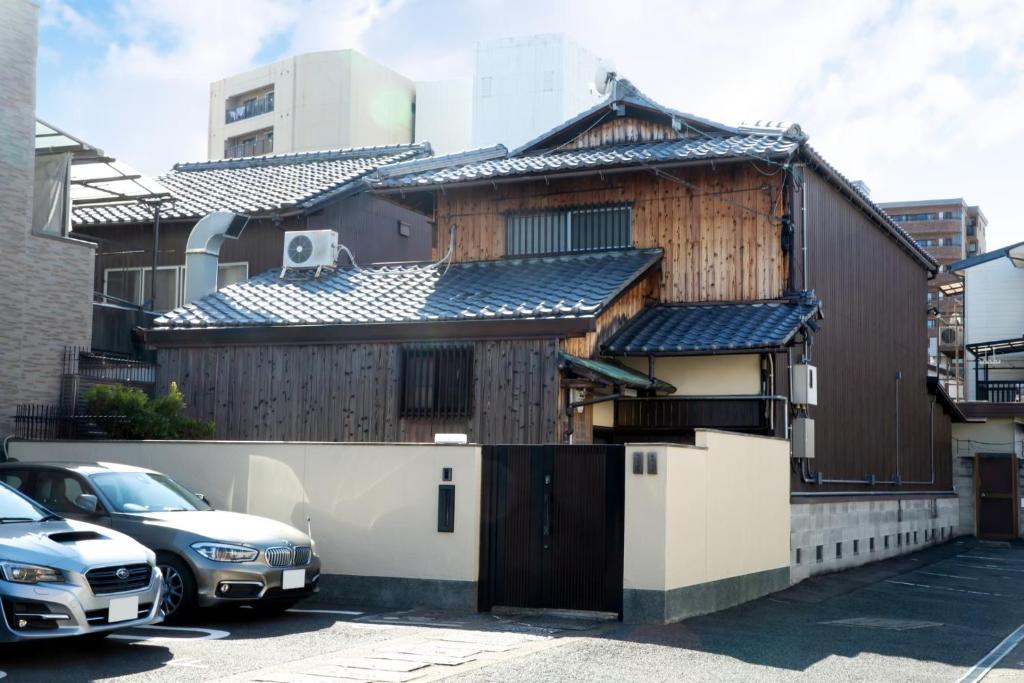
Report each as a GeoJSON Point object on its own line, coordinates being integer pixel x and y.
{"type": "Point", "coordinates": [805, 385]}
{"type": "Point", "coordinates": [803, 437]}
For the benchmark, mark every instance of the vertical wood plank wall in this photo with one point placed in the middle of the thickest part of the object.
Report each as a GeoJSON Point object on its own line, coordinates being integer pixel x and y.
{"type": "Point", "coordinates": [719, 243]}
{"type": "Point", "coordinates": [630, 303]}
{"type": "Point", "coordinates": [350, 392]}
{"type": "Point", "coordinates": [873, 298]}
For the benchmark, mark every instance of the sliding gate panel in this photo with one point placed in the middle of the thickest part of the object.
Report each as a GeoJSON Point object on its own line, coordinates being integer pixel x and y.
{"type": "Point", "coordinates": [552, 527]}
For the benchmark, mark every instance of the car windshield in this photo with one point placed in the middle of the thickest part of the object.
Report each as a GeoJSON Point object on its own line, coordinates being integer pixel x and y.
{"type": "Point", "coordinates": [16, 508]}
{"type": "Point", "coordinates": [146, 492]}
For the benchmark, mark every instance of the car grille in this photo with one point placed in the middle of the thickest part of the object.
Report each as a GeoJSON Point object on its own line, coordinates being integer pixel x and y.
{"type": "Point", "coordinates": [286, 557]}
{"type": "Point", "coordinates": [105, 581]}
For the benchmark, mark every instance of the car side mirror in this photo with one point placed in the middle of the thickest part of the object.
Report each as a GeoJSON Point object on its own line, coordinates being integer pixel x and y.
{"type": "Point", "coordinates": [87, 503]}
{"type": "Point", "coordinates": [202, 497]}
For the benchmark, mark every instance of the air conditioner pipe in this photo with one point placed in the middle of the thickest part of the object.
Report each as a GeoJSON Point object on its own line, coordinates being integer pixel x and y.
{"type": "Point", "coordinates": [202, 251]}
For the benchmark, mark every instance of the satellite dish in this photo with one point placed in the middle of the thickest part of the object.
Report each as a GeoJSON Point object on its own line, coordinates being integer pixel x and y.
{"type": "Point", "coordinates": [604, 77]}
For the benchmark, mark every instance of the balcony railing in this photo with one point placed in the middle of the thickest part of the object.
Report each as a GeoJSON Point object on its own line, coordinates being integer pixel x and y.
{"type": "Point", "coordinates": [1001, 391]}
{"type": "Point", "coordinates": [249, 148]}
{"type": "Point", "coordinates": [250, 108]}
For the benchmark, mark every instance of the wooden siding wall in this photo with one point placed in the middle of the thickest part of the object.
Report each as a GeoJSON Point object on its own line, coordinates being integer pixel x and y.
{"type": "Point", "coordinates": [615, 316]}
{"type": "Point", "coordinates": [873, 298]}
{"type": "Point", "coordinates": [715, 249]}
{"type": "Point", "coordinates": [350, 392]}
{"type": "Point", "coordinates": [623, 130]}
{"type": "Point", "coordinates": [367, 224]}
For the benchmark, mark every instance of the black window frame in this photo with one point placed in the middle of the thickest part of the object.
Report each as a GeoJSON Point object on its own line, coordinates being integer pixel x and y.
{"type": "Point", "coordinates": [544, 232]}
{"type": "Point", "coordinates": [437, 381]}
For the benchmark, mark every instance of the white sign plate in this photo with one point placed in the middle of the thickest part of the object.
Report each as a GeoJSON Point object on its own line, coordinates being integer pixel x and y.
{"type": "Point", "coordinates": [123, 609]}
{"type": "Point", "coordinates": [293, 578]}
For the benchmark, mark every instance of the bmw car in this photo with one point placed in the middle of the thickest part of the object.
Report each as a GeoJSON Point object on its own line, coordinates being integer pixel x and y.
{"type": "Point", "coordinates": [208, 557]}
{"type": "Point", "coordinates": [61, 577]}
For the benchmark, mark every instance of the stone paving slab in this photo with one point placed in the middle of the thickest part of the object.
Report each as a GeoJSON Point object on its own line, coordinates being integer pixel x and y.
{"type": "Point", "coordinates": [384, 662]}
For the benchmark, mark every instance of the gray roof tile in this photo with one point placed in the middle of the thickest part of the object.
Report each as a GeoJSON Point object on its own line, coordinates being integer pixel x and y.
{"type": "Point", "coordinates": [704, 328]}
{"type": "Point", "coordinates": [256, 185]}
{"type": "Point", "coordinates": [568, 286]}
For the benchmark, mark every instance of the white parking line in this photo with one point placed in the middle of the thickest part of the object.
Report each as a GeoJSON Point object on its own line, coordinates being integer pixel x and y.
{"type": "Point", "coordinates": [946, 588]}
{"type": "Point", "coordinates": [948, 576]}
{"type": "Point", "coordinates": [979, 670]}
{"type": "Point", "coordinates": [347, 613]}
{"type": "Point", "coordinates": [207, 634]}
{"type": "Point", "coordinates": [989, 566]}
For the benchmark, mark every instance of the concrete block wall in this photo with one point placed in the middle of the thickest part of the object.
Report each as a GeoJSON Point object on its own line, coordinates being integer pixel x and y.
{"type": "Point", "coordinates": [844, 531]}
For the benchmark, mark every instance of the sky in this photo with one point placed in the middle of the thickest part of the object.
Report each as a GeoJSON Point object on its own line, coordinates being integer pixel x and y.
{"type": "Point", "coordinates": [919, 99]}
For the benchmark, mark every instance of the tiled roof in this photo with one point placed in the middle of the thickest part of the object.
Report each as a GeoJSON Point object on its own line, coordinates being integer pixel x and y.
{"type": "Point", "coordinates": [706, 328]}
{"type": "Point", "coordinates": [635, 154]}
{"type": "Point", "coordinates": [256, 185]}
{"type": "Point", "coordinates": [569, 286]}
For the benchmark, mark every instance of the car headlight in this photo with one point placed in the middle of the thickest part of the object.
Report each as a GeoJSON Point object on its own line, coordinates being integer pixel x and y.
{"type": "Point", "coordinates": [225, 552]}
{"type": "Point", "coordinates": [30, 573]}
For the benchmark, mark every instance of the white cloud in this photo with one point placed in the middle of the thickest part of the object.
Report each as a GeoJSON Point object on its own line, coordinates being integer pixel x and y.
{"type": "Point", "coordinates": [919, 98]}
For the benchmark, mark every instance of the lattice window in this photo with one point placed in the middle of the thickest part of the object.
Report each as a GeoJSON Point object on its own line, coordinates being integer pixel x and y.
{"type": "Point", "coordinates": [437, 381]}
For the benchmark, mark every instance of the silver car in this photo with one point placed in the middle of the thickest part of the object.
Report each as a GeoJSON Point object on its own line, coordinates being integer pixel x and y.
{"type": "Point", "coordinates": [67, 578]}
{"type": "Point", "coordinates": [208, 557]}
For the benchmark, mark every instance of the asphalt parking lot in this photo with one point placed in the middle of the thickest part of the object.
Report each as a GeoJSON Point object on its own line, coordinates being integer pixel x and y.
{"type": "Point", "coordinates": [930, 616]}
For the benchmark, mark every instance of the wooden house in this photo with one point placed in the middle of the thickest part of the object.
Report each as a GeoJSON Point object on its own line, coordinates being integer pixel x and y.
{"type": "Point", "coordinates": [633, 274]}
{"type": "Point", "coordinates": [310, 190]}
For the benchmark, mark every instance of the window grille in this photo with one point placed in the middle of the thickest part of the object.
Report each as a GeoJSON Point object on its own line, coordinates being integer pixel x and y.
{"type": "Point", "coordinates": [437, 381]}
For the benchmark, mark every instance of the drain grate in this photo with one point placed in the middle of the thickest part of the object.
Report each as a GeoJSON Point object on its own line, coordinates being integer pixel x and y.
{"type": "Point", "coordinates": [884, 624]}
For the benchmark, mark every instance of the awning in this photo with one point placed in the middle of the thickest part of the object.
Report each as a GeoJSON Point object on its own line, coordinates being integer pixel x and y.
{"type": "Point", "coordinates": [707, 329]}
{"type": "Point", "coordinates": [610, 373]}
{"type": "Point", "coordinates": [97, 179]}
{"type": "Point", "coordinates": [997, 348]}
{"type": "Point", "coordinates": [952, 288]}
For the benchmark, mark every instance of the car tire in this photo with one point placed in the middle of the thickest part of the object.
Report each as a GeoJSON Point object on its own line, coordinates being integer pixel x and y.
{"type": "Point", "coordinates": [179, 601]}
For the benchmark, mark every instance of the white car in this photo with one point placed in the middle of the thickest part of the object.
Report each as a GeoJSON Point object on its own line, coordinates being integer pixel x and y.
{"type": "Point", "coordinates": [65, 578]}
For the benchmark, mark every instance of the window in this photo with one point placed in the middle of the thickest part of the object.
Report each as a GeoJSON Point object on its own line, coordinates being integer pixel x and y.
{"type": "Point", "coordinates": [584, 228]}
{"type": "Point", "coordinates": [549, 80]}
{"type": "Point", "coordinates": [485, 86]}
{"type": "Point", "coordinates": [57, 491]}
{"type": "Point", "coordinates": [437, 381]}
{"type": "Point", "coordinates": [931, 324]}
{"type": "Point", "coordinates": [134, 285]}
{"type": "Point", "coordinates": [927, 243]}
{"type": "Point", "coordinates": [951, 241]}
{"type": "Point", "coordinates": [972, 248]}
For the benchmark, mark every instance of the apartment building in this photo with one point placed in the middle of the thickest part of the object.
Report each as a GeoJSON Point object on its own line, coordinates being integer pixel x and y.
{"type": "Point", "coordinates": [525, 86]}
{"type": "Point", "coordinates": [343, 99]}
{"type": "Point", "coordinates": [950, 230]}
{"type": "Point", "coordinates": [320, 100]}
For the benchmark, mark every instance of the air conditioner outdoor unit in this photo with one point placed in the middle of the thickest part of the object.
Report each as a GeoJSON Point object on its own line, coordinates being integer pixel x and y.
{"type": "Point", "coordinates": [951, 336]}
{"type": "Point", "coordinates": [310, 248]}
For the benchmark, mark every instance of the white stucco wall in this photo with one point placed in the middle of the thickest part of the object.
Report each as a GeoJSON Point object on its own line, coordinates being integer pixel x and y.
{"type": "Point", "coordinates": [373, 507]}
{"type": "Point", "coordinates": [444, 114]}
{"type": "Point", "coordinates": [715, 510]}
{"type": "Point", "coordinates": [732, 374]}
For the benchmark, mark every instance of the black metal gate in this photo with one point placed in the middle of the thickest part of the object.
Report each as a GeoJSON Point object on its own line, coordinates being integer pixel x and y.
{"type": "Point", "coordinates": [552, 527]}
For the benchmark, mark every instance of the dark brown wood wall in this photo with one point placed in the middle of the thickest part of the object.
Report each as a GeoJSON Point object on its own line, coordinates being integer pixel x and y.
{"type": "Point", "coordinates": [873, 298]}
{"type": "Point", "coordinates": [367, 224]}
{"type": "Point", "coordinates": [350, 392]}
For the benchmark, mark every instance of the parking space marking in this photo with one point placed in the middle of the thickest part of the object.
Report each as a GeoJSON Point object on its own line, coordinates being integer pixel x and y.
{"type": "Point", "coordinates": [981, 669]}
{"type": "Point", "coordinates": [990, 566]}
{"type": "Point", "coordinates": [948, 576]}
{"type": "Point", "coordinates": [947, 588]}
{"type": "Point", "coordinates": [207, 634]}
{"type": "Point", "coordinates": [344, 612]}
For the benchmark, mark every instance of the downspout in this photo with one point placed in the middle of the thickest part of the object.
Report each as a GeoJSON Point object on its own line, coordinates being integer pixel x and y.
{"type": "Point", "coordinates": [571, 406]}
{"type": "Point", "coordinates": [899, 376]}
{"type": "Point", "coordinates": [803, 226]}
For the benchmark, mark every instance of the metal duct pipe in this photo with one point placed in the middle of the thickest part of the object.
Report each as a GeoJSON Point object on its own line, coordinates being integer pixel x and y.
{"type": "Point", "coordinates": [202, 251]}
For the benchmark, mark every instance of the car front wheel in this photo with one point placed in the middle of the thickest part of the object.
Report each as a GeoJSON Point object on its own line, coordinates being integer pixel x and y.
{"type": "Point", "coordinates": [179, 599]}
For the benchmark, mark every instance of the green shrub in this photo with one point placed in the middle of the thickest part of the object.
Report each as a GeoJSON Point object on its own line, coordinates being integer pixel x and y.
{"type": "Point", "coordinates": [127, 413]}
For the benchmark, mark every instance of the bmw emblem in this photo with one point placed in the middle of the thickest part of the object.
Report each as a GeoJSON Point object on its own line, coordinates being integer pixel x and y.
{"type": "Point", "coordinates": [122, 573]}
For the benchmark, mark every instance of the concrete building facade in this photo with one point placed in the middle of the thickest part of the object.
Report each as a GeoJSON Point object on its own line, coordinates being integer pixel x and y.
{"type": "Point", "coordinates": [314, 101]}
{"type": "Point", "coordinates": [46, 279]}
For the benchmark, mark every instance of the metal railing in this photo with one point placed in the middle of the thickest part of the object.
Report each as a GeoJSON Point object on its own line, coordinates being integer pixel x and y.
{"type": "Point", "coordinates": [107, 367]}
{"type": "Point", "coordinates": [249, 148]}
{"type": "Point", "coordinates": [36, 422]}
{"type": "Point", "coordinates": [246, 110]}
{"type": "Point", "coordinates": [1001, 391]}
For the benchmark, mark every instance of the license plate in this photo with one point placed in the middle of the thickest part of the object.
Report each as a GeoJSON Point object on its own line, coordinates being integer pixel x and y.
{"type": "Point", "coordinates": [123, 609]}
{"type": "Point", "coordinates": [293, 578]}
